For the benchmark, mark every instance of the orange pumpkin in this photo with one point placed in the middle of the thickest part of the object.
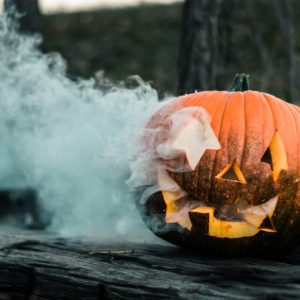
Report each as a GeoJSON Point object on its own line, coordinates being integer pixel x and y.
{"type": "Point", "coordinates": [240, 195]}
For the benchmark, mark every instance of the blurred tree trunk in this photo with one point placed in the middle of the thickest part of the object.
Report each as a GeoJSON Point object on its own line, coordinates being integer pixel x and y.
{"type": "Point", "coordinates": [261, 45]}
{"type": "Point", "coordinates": [205, 45]}
{"type": "Point", "coordinates": [284, 13]}
{"type": "Point", "coordinates": [30, 20]}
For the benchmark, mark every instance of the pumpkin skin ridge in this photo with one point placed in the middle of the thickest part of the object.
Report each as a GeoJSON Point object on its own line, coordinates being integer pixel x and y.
{"type": "Point", "coordinates": [245, 128]}
{"type": "Point", "coordinates": [212, 175]}
{"type": "Point", "coordinates": [214, 152]}
{"type": "Point", "coordinates": [266, 121]}
{"type": "Point", "coordinates": [297, 126]}
{"type": "Point", "coordinates": [254, 97]}
{"type": "Point", "coordinates": [291, 207]}
{"type": "Point", "coordinates": [295, 107]}
{"type": "Point", "coordinates": [291, 198]}
{"type": "Point", "coordinates": [278, 120]}
{"type": "Point", "coordinates": [293, 111]}
{"type": "Point", "coordinates": [189, 101]}
{"type": "Point", "coordinates": [297, 121]}
{"type": "Point", "coordinates": [260, 110]}
{"type": "Point", "coordinates": [293, 134]}
{"type": "Point", "coordinates": [238, 97]}
{"type": "Point", "coordinates": [225, 98]}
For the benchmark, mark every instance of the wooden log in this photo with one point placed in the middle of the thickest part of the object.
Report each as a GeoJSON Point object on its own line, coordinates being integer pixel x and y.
{"type": "Point", "coordinates": [39, 265]}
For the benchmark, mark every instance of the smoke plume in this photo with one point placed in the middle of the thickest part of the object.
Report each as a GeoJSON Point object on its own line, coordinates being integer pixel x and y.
{"type": "Point", "coordinates": [70, 141]}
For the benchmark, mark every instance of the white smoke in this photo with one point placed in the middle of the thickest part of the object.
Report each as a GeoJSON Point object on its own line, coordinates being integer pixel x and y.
{"type": "Point", "coordinates": [69, 140]}
{"type": "Point", "coordinates": [171, 141]}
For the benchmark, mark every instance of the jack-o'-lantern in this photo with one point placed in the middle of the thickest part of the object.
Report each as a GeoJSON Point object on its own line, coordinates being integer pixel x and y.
{"type": "Point", "coordinates": [226, 180]}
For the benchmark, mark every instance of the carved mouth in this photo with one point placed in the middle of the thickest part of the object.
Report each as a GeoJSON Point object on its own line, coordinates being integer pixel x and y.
{"type": "Point", "coordinates": [235, 221]}
{"type": "Point", "coordinates": [250, 220]}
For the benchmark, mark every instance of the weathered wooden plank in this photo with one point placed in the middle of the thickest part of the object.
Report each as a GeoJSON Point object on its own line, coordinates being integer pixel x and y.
{"type": "Point", "coordinates": [39, 265]}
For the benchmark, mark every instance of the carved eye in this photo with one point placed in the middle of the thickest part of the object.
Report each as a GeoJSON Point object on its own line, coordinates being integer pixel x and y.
{"type": "Point", "coordinates": [232, 172]}
{"type": "Point", "coordinates": [275, 156]}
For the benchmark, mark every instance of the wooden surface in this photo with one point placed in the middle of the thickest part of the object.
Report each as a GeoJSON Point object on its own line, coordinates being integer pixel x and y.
{"type": "Point", "coordinates": [36, 265]}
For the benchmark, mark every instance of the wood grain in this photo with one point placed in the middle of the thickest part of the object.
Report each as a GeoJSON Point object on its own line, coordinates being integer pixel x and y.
{"type": "Point", "coordinates": [39, 265]}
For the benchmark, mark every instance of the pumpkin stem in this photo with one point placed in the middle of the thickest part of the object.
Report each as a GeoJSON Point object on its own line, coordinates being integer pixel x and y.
{"type": "Point", "coordinates": [240, 83]}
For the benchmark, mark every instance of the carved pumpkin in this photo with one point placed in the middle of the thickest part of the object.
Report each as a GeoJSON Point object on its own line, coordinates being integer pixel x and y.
{"type": "Point", "coordinates": [234, 188]}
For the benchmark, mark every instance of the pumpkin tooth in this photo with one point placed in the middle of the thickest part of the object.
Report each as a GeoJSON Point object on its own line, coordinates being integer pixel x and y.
{"type": "Point", "coordinates": [253, 219]}
{"type": "Point", "coordinates": [266, 208]}
{"type": "Point", "coordinates": [175, 211]}
{"type": "Point", "coordinates": [180, 217]}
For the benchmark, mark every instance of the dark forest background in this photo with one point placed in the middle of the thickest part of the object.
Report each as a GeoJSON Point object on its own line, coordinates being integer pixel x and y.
{"type": "Point", "coordinates": [145, 40]}
{"type": "Point", "coordinates": [139, 40]}
{"type": "Point", "coordinates": [194, 45]}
